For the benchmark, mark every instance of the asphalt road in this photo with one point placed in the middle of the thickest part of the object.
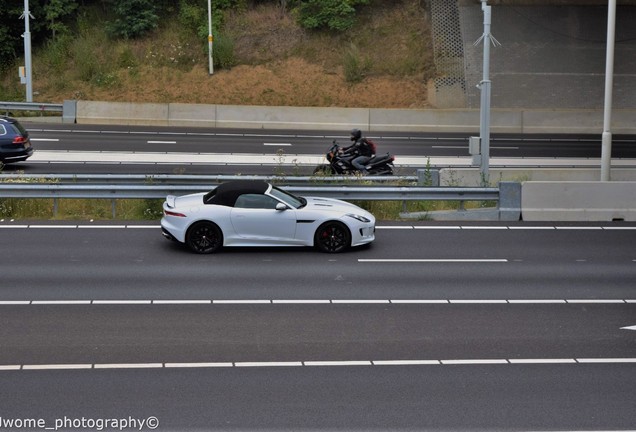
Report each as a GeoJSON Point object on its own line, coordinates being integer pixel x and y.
{"type": "Point", "coordinates": [433, 327]}
{"type": "Point", "coordinates": [137, 150]}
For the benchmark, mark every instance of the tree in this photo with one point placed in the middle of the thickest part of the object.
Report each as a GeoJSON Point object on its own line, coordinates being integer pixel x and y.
{"type": "Point", "coordinates": [330, 14]}
{"type": "Point", "coordinates": [55, 11]}
{"type": "Point", "coordinates": [134, 18]}
{"type": "Point", "coordinates": [12, 29]}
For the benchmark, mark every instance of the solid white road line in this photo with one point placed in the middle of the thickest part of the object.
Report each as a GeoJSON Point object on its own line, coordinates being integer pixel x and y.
{"type": "Point", "coordinates": [360, 301]}
{"type": "Point", "coordinates": [267, 364]}
{"type": "Point", "coordinates": [420, 301]}
{"type": "Point", "coordinates": [241, 301]}
{"type": "Point", "coordinates": [418, 260]}
{"type": "Point", "coordinates": [315, 302]}
{"type": "Point", "coordinates": [129, 366]}
{"type": "Point", "coordinates": [57, 366]}
{"type": "Point", "coordinates": [61, 302]}
{"type": "Point", "coordinates": [474, 362]}
{"type": "Point", "coordinates": [405, 362]}
{"type": "Point", "coordinates": [542, 361]}
{"type": "Point", "coordinates": [301, 301]}
{"type": "Point", "coordinates": [122, 302]}
{"type": "Point", "coordinates": [478, 301]}
{"type": "Point", "coordinates": [180, 302]}
{"type": "Point", "coordinates": [199, 365]}
{"type": "Point", "coordinates": [379, 227]}
{"type": "Point", "coordinates": [334, 363]}
{"type": "Point", "coordinates": [338, 363]}
{"type": "Point", "coordinates": [606, 360]}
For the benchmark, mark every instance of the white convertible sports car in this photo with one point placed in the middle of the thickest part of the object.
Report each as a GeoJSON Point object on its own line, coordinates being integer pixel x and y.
{"type": "Point", "coordinates": [255, 213]}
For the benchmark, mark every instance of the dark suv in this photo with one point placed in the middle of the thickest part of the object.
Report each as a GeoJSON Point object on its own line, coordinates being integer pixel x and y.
{"type": "Point", "coordinates": [15, 145]}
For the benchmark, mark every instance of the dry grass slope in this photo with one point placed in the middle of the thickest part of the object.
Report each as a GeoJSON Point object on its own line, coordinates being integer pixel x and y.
{"type": "Point", "coordinates": [277, 63]}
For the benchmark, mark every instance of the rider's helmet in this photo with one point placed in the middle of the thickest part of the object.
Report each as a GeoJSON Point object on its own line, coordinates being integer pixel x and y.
{"type": "Point", "coordinates": [356, 134]}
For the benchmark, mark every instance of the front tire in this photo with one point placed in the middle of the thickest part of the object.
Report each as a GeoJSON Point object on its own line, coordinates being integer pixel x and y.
{"type": "Point", "coordinates": [204, 238]}
{"type": "Point", "coordinates": [332, 237]}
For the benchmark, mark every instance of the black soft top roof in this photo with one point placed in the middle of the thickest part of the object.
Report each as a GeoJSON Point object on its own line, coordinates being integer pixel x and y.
{"type": "Point", "coordinates": [226, 194]}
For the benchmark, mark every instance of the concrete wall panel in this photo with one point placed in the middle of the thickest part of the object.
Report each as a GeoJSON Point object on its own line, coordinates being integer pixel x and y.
{"type": "Point", "coordinates": [578, 201]}
{"type": "Point", "coordinates": [472, 176]}
{"type": "Point", "coordinates": [307, 118]}
{"type": "Point", "coordinates": [122, 113]}
{"type": "Point", "coordinates": [180, 114]}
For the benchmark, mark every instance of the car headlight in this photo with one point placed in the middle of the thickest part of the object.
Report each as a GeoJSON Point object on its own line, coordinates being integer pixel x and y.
{"type": "Point", "coordinates": [359, 218]}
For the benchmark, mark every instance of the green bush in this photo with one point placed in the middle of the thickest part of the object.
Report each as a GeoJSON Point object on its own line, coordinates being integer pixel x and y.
{"type": "Point", "coordinates": [56, 54]}
{"type": "Point", "coordinates": [223, 51]}
{"type": "Point", "coordinates": [135, 18]}
{"type": "Point", "coordinates": [126, 58]}
{"type": "Point", "coordinates": [355, 66]}
{"type": "Point", "coordinates": [339, 15]}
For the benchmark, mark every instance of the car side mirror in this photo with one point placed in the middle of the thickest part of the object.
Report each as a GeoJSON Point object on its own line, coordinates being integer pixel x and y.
{"type": "Point", "coordinates": [281, 207]}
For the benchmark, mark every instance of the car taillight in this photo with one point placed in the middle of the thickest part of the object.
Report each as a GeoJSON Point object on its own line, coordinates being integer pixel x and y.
{"type": "Point", "coordinates": [171, 213]}
{"type": "Point", "coordinates": [19, 140]}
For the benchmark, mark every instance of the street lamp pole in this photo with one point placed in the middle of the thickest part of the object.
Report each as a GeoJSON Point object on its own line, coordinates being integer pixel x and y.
{"type": "Point", "coordinates": [606, 149]}
{"type": "Point", "coordinates": [27, 52]}
{"type": "Point", "coordinates": [485, 86]}
{"type": "Point", "coordinates": [210, 37]}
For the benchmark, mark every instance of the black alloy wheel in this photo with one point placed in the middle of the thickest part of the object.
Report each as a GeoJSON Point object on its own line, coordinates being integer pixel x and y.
{"type": "Point", "coordinates": [332, 237]}
{"type": "Point", "coordinates": [204, 238]}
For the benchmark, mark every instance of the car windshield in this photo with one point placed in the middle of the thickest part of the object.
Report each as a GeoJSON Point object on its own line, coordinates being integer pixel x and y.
{"type": "Point", "coordinates": [287, 198]}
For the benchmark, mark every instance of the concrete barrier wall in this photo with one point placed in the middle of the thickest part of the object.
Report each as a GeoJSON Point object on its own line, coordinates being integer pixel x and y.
{"type": "Point", "coordinates": [374, 119]}
{"type": "Point", "coordinates": [262, 117]}
{"type": "Point", "coordinates": [123, 113]}
{"type": "Point", "coordinates": [577, 121]}
{"type": "Point", "coordinates": [578, 201]}
{"type": "Point", "coordinates": [180, 114]}
{"type": "Point", "coordinates": [472, 176]}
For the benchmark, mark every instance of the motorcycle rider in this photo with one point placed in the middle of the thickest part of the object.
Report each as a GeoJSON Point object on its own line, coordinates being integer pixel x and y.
{"type": "Point", "coordinates": [360, 150]}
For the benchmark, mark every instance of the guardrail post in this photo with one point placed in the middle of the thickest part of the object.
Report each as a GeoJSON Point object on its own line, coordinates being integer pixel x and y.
{"type": "Point", "coordinates": [509, 201]}
{"type": "Point", "coordinates": [69, 111]}
{"type": "Point", "coordinates": [428, 177]}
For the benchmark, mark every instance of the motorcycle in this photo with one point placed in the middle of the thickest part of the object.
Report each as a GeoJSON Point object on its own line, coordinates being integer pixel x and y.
{"type": "Point", "coordinates": [339, 163]}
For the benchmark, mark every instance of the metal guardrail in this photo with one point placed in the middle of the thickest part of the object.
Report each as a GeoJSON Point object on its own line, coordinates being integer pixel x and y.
{"type": "Point", "coordinates": [30, 106]}
{"type": "Point", "coordinates": [58, 187]}
{"type": "Point", "coordinates": [363, 193]}
{"type": "Point", "coordinates": [132, 179]}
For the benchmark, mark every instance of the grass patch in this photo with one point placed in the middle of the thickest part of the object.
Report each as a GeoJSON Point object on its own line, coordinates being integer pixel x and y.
{"type": "Point", "coordinates": [151, 209]}
{"type": "Point", "coordinates": [81, 209]}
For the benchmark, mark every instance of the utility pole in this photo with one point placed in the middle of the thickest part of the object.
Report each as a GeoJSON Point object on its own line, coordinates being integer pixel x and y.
{"type": "Point", "coordinates": [606, 149]}
{"type": "Point", "coordinates": [210, 37]}
{"type": "Point", "coordinates": [27, 52]}
{"type": "Point", "coordinates": [479, 147]}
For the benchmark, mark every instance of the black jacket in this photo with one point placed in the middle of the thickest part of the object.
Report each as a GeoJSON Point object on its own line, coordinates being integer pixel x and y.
{"type": "Point", "coordinates": [359, 148]}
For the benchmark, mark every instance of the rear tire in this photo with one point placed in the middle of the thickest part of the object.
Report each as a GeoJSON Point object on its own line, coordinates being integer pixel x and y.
{"type": "Point", "coordinates": [332, 237]}
{"type": "Point", "coordinates": [204, 238]}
